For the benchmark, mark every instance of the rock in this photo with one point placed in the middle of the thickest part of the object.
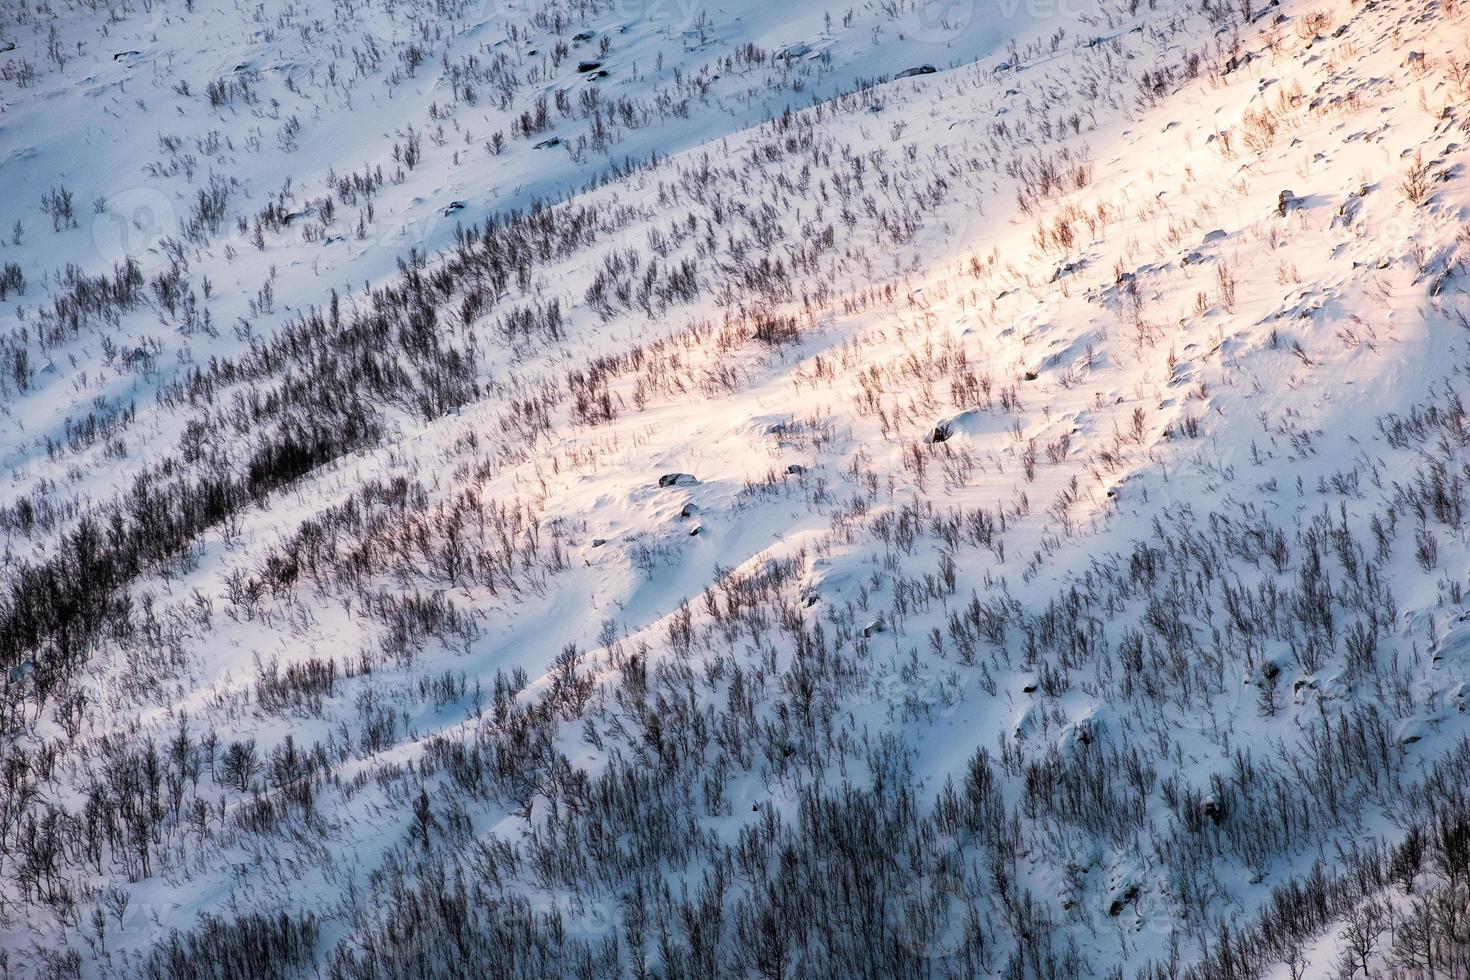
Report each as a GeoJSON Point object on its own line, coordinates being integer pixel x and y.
{"type": "Point", "coordinates": [874, 627]}
{"type": "Point", "coordinates": [547, 143]}
{"type": "Point", "coordinates": [1454, 646]}
{"type": "Point", "coordinates": [795, 469]}
{"type": "Point", "coordinates": [1234, 63]}
{"type": "Point", "coordinates": [452, 207]}
{"type": "Point", "coordinates": [20, 672]}
{"type": "Point", "coordinates": [1285, 201]}
{"type": "Point", "coordinates": [1025, 724]}
{"type": "Point", "coordinates": [1212, 809]}
{"type": "Point", "coordinates": [677, 480]}
{"type": "Point", "coordinates": [1067, 270]}
{"type": "Point", "coordinates": [1123, 899]}
{"type": "Point", "coordinates": [694, 531]}
{"type": "Point", "coordinates": [124, 54]}
{"type": "Point", "coordinates": [582, 37]}
{"type": "Point", "coordinates": [689, 510]}
{"type": "Point", "coordinates": [583, 67]}
{"type": "Point", "coordinates": [598, 542]}
{"type": "Point", "coordinates": [970, 423]}
{"type": "Point", "coordinates": [916, 70]}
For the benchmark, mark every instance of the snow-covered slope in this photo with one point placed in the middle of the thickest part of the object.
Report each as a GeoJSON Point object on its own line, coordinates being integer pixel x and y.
{"type": "Point", "coordinates": [1005, 520]}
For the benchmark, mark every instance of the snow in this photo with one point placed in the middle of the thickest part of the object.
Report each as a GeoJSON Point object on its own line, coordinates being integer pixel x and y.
{"type": "Point", "coordinates": [1064, 364]}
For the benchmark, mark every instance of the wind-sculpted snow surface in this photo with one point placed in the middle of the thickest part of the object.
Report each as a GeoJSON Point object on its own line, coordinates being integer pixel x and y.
{"type": "Point", "coordinates": [567, 490]}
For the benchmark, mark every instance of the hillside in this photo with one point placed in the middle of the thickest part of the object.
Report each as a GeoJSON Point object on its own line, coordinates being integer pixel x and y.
{"type": "Point", "coordinates": [568, 490]}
